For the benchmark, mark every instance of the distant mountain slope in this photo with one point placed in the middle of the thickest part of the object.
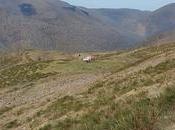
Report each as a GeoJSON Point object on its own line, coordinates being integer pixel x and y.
{"type": "Point", "coordinates": [56, 25]}
{"type": "Point", "coordinates": [130, 22]}
{"type": "Point", "coordinates": [52, 24]}
{"type": "Point", "coordinates": [156, 27]}
{"type": "Point", "coordinates": [165, 37]}
{"type": "Point", "coordinates": [161, 20]}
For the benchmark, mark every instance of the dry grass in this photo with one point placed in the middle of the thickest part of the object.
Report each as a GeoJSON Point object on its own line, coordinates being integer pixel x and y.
{"type": "Point", "coordinates": [118, 101]}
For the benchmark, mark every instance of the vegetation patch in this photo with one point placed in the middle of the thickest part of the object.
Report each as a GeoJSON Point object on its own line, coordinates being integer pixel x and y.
{"type": "Point", "coordinates": [133, 82]}
{"type": "Point", "coordinates": [4, 109]}
{"type": "Point", "coordinates": [138, 115]}
{"type": "Point", "coordinates": [6, 60]}
{"type": "Point", "coordinates": [62, 106]}
{"type": "Point", "coordinates": [77, 66]}
{"type": "Point", "coordinates": [12, 124]}
{"type": "Point", "coordinates": [23, 73]}
{"type": "Point", "coordinates": [160, 68]}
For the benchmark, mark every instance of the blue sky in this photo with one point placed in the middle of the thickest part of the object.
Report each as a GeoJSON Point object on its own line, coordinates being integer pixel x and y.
{"type": "Point", "coordinates": [135, 4]}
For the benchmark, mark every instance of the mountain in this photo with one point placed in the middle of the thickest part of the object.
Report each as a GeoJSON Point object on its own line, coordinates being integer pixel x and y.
{"type": "Point", "coordinates": [161, 26]}
{"type": "Point", "coordinates": [57, 25]}
{"type": "Point", "coordinates": [161, 20]}
{"type": "Point", "coordinates": [53, 24]}
{"type": "Point", "coordinates": [130, 22]}
{"type": "Point", "coordinates": [141, 24]}
{"type": "Point", "coordinates": [127, 90]}
{"type": "Point", "coordinates": [165, 37]}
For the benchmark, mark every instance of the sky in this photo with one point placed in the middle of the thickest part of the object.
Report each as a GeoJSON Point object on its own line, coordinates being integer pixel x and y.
{"type": "Point", "coordinates": [133, 4]}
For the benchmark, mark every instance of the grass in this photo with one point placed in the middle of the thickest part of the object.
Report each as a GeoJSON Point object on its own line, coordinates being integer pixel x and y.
{"type": "Point", "coordinates": [135, 113]}
{"type": "Point", "coordinates": [107, 63]}
{"type": "Point", "coordinates": [143, 78]}
{"type": "Point", "coordinates": [12, 124]}
{"type": "Point", "coordinates": [23, 73]}
{"type": "Point", "coordinates": [46, 127]}
{"type": "Point", "coordinates": [5, 109]}
{"type": "Point", "coordinates": [152, 51]}
{"type": "Point", "coordinates": [101, 108]}
{"type": "Point", "coordinates": [138, 115]}
{"type": "Point", "coordinates": [160, 68]}
{"type": "Point", "coordinates": [168, 99]}
{"type": "Point", "coordinates": [62, 106]}
{"type": "Point", "coordinates": [6, 60]}
{"type": "Point", "coordinates": [77, 66]}
{"type": "Point", "coordinates": [132, 82]}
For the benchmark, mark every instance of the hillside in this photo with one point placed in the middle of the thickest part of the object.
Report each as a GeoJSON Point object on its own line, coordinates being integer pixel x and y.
{"type": "Point", "coordinates": [131, 23]}
{"type": "Point", "coordinates": [56, 25]}
{"type": "Point", "coordinates": [53, 25]}
{"type": "Point", "coordinates": [162, 20]}
{"type": "Point", "coordinates": [161, 38]}
{"type": "Point", "coordinates": [49, 90]}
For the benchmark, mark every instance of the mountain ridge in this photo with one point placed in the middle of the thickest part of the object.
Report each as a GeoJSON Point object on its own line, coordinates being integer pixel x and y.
{"type": "Point", "coordinates": [57, 25]}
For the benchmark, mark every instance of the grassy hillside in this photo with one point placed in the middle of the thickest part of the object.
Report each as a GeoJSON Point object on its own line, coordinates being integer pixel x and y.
{"type": "Point", "coordinates": [130, 90]}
